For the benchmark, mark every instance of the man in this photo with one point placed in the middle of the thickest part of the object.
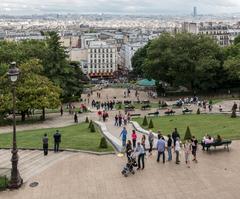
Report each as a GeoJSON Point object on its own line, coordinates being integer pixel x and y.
{"type": "Point", "coordinates": [177, 150]}
{"type": "Point", "coordinates": [124, 136]}
{"type": "Point", "coordinates": [175, 135]}
{"type": "Point", "coordinates": [45, 144]}
{"type": "Point", "coordinates": [150, 140]}
{"type": "Point", "coordinates": [141, 153]}
{"type": "Point", "coordinates": [161, 148]}
{"type": "Point", "coordinates": [57, 141]}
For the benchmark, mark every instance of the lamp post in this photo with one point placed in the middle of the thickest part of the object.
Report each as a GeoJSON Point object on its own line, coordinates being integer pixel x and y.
{"type": "Point", "coordinates": [16, 180]}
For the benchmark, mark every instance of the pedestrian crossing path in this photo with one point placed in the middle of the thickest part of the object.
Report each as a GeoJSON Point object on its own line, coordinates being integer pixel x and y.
{"type": "Point", "coordinates": [31, 162]}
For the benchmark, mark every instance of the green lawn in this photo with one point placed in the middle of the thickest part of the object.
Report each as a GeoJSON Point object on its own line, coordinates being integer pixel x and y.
{"type": "Point", "coordinates": [227, 127]}
{"type": "Point", "coordinates": [73, 137]}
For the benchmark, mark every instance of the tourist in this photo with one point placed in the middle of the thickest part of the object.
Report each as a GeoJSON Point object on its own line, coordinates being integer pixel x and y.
{"type": "Point", "coordinates": [194, 148]}
{"type": "Point", "coordinates": [57, 140]}
{"type": "Point", "coordinates": [134, 138]}
{"type": "Point", "coordinates": [124, 136]}
{"type": "Point", "coordinates": [169, 147]}
{"type": "Point", "coordinates": [160, 148]}
{"type": "Point", "coordinates": [187, 152]}
{"type": "Point", "coordinates": [150, 140]}
{"type": "Point", "coordinates": [175, 135]}
{"type": "Point", "coordinates": [128, 149]}
{"type": "Point", "coordinates": [75, 118]}
{"type": "Point", "coordinates": [143, 141]}
{"type": "Point", "coordinates": [177, 149]}
{"type": "Point", "coordinates": [141, 153]}
{"type": "Point", "coordinates": [45, 144]}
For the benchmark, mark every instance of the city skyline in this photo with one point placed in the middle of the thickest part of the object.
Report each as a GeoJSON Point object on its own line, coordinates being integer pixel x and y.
{"type": "Point", "coordinates": [171, 7]}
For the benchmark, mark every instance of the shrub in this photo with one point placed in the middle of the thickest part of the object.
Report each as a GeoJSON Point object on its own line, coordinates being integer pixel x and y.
{"type": "Point", "coordinates": [233, 115]}
{"type": "Point", "coordinates": [151, 126]}
{"type": "Point", "coordinates": [198, 111]}
{"type": "Point", "coordinates": [92, 128]}
{"type": "Point", "coordinates": [145, 122]}
{"type": "Point", "coordinates": [87, 120]}
{"type": "Point", "coordinates": [103, 143]}
{"type": "Point", "coordinates": [188, 134]}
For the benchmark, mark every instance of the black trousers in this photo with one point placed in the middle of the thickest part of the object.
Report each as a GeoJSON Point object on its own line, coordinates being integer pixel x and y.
{"type": "Point", "coordinates": [45, 149]}
{"type": "Point", "coordinates": [56, 146]}
{"type": "Point", "coordinates": [141, 159]}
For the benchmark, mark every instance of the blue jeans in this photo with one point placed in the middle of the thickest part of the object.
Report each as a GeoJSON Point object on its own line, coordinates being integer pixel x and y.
{"type": "Point", "coordinates": [169, 149]}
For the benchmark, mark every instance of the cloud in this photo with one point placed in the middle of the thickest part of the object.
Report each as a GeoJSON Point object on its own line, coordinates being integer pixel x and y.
{"type": "Point", "coordinates": [118, 6]}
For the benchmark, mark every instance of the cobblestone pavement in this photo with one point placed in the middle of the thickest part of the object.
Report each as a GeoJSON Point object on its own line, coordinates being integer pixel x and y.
{"type": "Point", "coordinates": [216, 175]}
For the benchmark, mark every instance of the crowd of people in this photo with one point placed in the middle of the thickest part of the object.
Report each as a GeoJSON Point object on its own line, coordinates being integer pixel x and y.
{"type": "Point", "coordinates": [170, 144]}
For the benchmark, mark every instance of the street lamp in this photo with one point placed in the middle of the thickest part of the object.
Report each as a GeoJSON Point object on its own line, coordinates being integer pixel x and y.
{"type": "Point", "coordinates": [16, 180]}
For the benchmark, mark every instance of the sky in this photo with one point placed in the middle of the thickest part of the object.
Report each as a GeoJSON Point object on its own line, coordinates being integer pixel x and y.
{"type": "Point", "coordinates": [172, 7]}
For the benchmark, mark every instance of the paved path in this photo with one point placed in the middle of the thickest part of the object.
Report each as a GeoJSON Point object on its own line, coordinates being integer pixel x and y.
{"type": "Point", "coordinates": [31, 162]}
{"type": "Point", "coordinates": [216, 176]}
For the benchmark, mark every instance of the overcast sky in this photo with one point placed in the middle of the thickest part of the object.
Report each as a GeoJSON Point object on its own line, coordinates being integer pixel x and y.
{"type": "Point", "coordinates": [118, 6]}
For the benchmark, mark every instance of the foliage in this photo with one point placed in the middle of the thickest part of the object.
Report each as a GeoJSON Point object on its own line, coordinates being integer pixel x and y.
{"type": "Point", "coordinates": [145, 121]}
{"type": "Point", "coordinates": [188, 134]}
{"type": "Point", "coordinates": [103, 143]}
{"type": "Point", "coordinates": [150, 126]}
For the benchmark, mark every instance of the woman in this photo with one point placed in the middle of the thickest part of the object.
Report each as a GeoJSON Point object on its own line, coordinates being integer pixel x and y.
{"type": "Point", "coordinates": [128, 149]}
{"type": "Point", "coordinates": [187, 150]}
{"type": "Point", "coordinates": [134, 138]}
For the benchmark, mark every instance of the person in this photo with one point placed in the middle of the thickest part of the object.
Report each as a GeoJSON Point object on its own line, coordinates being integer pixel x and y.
{"type": "Point", "coordinates": [75, 118]}
{"type": "Point", "coordinates": [128, 149]}
{"type": "Point", "coordinates": [143, 141]}
{"type": "Point", "coordinates": [160, 148]}
{"type": "Point", "coordinates": [187, 152]}
{"type": "Point", "coordinates": [134, 138]}
{"type": "Point", "coordinates": [150, 140]}
{"type": "Point", "coordinates": [169, 147]}
{"type": "Point", "coordinates": [124, 136]}
{"type": "Point", "coordinates": [175, 135]}
{"type": "Point", "coordinates": [194, 148]}
{"type": "Point", "coordinates": [177, 150]}
{"type": "Point", "coordinates": [57, 141]}
{"type": "Point", "coordinates": [141, 153]}
{"type": "Point", "coordinates": [45, 144]}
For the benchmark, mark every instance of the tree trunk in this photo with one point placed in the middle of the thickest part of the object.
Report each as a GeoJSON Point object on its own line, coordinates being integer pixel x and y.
{"type": "Point", "coordinates": [43, 114]}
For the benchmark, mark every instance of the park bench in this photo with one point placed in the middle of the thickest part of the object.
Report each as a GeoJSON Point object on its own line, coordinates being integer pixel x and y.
{"type": "Point", "coordinates": [145, 107]}
{"type": "Point", "coordinates": [169, 112]}
{"type": "Point", "coordinates": [155, 113]}
{"type": "Point", "coordinates": [224, 143]}
{"type": "Point", "coordinates": [135, 114]}
{"type": "Point", "coordinates": [187, 111]}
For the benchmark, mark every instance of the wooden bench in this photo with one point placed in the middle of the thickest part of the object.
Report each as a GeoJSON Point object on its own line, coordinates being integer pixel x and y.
{"type": "Point", "coordinates": [155, 113]}
{"type": "Point", "coordinates": [224, 143]}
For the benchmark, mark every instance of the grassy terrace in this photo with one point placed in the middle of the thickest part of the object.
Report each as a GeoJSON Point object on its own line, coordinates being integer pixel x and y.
{"type": "Point", "coordinates": [227, 127]}
{"type": "Point", "coordinates": [73, 137]}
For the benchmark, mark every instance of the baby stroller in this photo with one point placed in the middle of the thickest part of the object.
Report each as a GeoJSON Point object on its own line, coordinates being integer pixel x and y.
{"type": "Point", "coordinates": [129, 168]}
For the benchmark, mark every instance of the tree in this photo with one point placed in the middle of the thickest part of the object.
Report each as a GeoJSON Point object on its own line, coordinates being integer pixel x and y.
{"type": "Point", "coordinates": [188, 134]}
{"type": "Point", "coordinates": [145, 122]}
{"type": "Point", "coordinates": [103, 143]}
{"type": "Point", "coordinates": [151, 126]}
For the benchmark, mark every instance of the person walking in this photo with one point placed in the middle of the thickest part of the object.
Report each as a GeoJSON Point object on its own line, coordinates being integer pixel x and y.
{"type": "Point", "coordinates": [169, 147]}
{"type": "Point", "coordinates": [141, 153]}
{"type": "Point", "coordinates": [177, 150]}
{"type": "Point", "coordinates": [124, 136]}
{"type": "Point", "coordinates": [160, 148]}
{"type": "Point", "coordinates": [45, 144]}
{"type": "Point", "coordinates": [175, 135]}
{"type": "Point", "coordinates": [134, 138]}
{"type": "Point", "coordinates": [194, 148]}
{"type": "Point", "coordinates": [187, 151]}
{"type": "Point", "coordinates": [150, 140]}
{"type": "Point", "coordinates": [57, 140]}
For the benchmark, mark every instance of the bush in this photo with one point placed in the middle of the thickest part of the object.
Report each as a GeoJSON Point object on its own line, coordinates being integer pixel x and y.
{"type": "Point", "coordinates": [103, 143]}
{"type": "Point", "coordinates": [198, 111]}
{"type": "Point", "coordinates": [151, 126]}
{"type": "Point", "coordinates": [145, 122]}
{"type": "Point", "coordinates": [92, 128]}
{"type": "Point", "coordinates": [87, 120]}
{"type": "Point", "coordinates": [233, 115]}
{"type": "Point", "coordinates": [188, 134]}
